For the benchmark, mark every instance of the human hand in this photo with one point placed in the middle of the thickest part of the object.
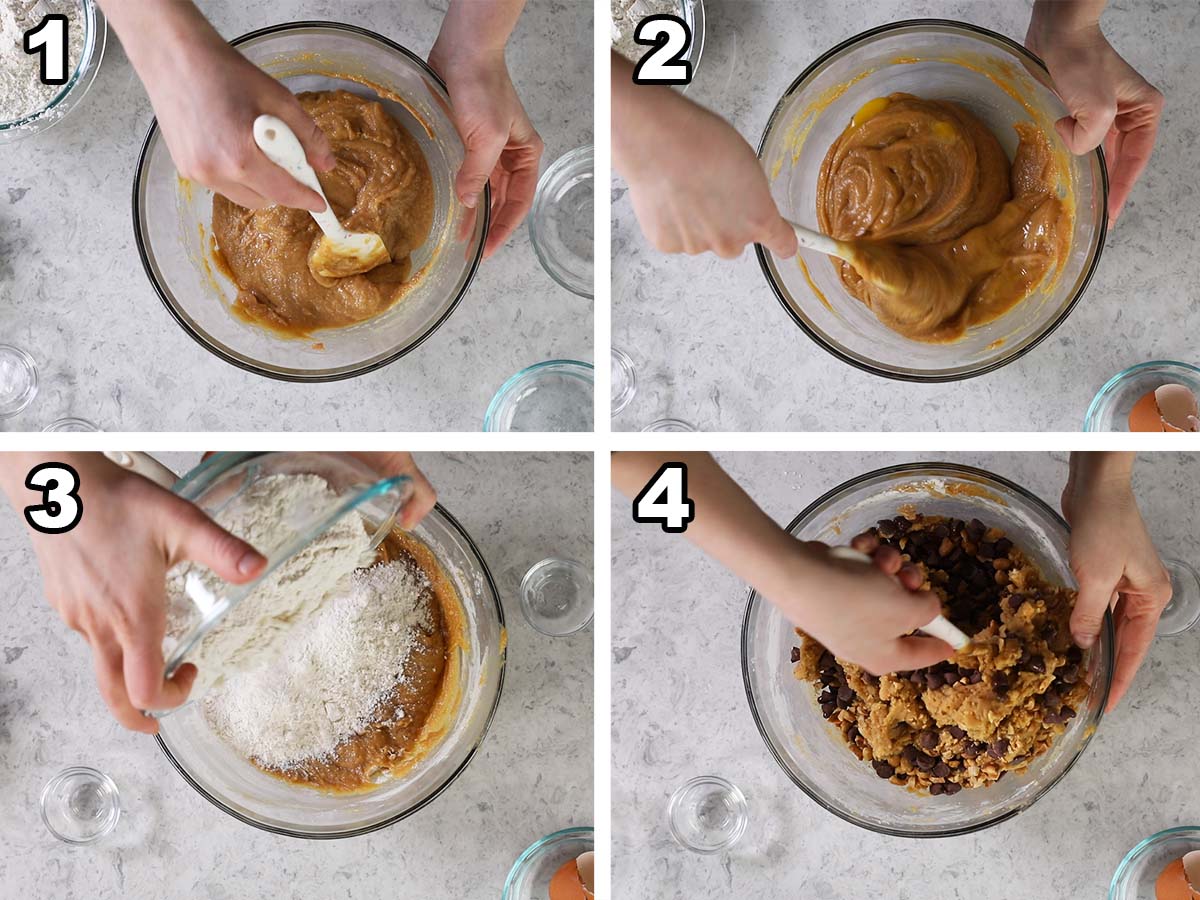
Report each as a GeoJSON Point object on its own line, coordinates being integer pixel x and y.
{"type": "Point", "coordinates": [864, 613]}
{"type": "Point", "coordinates": [424, 496]}
{"type": "Point", "coordinates": [106, 578]}
{"type": "Point", "coordinates": [1107, 99]}
{"type": "Point", "coordinates": [206, 96]}
{"type": "Point", "coordinates": [1114, 562]}
{"type": "Point", "coordinates": [696, 185]}
{"type": "Point", "coordinates": [501, 143]}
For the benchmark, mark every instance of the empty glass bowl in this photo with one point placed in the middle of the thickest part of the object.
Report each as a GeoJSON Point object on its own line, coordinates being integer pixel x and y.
{"type": "Point", "coordinates": [624, 381]}
{"type": "Point", "coordinates": [18, 380]}
{"type": "Point", "coordinates": [71, 424]}
{"type": "Point", "coordinates": [557, 596]}
{"type": "Point", "coordinates": [562, 224]}
{"type": "Point", "coordinates": [813, 753]}
{"type": "Point", "coordinates": [238, 788]}
{"type": "Point", "coordinates": [529, 878]}
{"type": "Point", "coordinates": [172, 218]}
{"type": "Point", "coordinates": [1135, 876]}
{"type": "Point", "coordinates": [80, 805]}
{"type": "Point", "coordinates": [708, 814]}
{"type": "Point", "coordinates": [556, 395]}
{"type": "Point", "coordinates": [71, 94]}
{"type": "Point", "coordinates": [1109, 410]}
{"type": "Point", "coordinates": [933, 58]}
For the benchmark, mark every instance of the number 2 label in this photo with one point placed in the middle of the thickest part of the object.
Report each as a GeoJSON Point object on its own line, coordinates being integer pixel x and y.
{"type": "Point", "coordinates": [671, 37]}
{"type": "Point", "coordinates": [61, 507]}
{"type": "Point", "coordinates": [664, 500]}
{"type": "Point", "coordinates": [49, 39]}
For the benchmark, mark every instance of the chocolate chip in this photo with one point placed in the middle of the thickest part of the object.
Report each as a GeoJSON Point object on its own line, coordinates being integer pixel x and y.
{"type": "Point", "coordinates": [1068, 712]}
{"type": "Point", "coordinates": [1074, 655]}
{"type": "Point", "coordinates": [957, 733]}
{"type": "Point", "coordinates": [844, 694]}
{"type": "Point", "coordinates": [937, 788]}
{"type": "Point", "coordinates": [997, 749]}
{"type": "Point", "coordinates": [909, 754]}
{"type": "Point", "coordinates": [887, 528]}
{"type": "Point", "coordinates": [925, 762]}
{"type": "Point", "coordinates": [933, 681]}
{"type": "Point", "coordinates": [1003, 546]}
{"type": "Point", "coordinates": [826, 661]}
{"type": "Point", "coordinates": [986, 550]}
{"type": "Point", "coordinates": [1037, 664]}
{"type": "Point", "coordinates": [853, 734]}
{"type": "Point", "coordinates": [883, 768]}
{"type": "Point", "coordinates": [927, 740]}
{"type": "Point", "coordinates": [970, 750]}
{"type": "Point", "coordinates": [828, 709]}
{"type": "Point", "coordinates": [951, 788]}
{"type": "Point", "coordinates": [976, 529]}
{"type": "Point", "coordinates": [902, 524]}
{"type": "Point", "coordinates": [916, 678]}
{"type": "Point", "coordinates": [975, 678]}
{"type": "Point", "coordinates": [795, 654]}
{"type": "Point", "coordinates": [1015, 600]}
{"type": "Point", "coordinates": [1051, 699]}
{"type": "Point", "coordinates": [1049, 631]}
{"type": "Point", "coordinates": [1069, 674]}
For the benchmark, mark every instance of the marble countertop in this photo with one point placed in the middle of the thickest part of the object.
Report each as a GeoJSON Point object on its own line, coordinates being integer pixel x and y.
{"type": "Point", "coordinates": [680, 710]}
{"type": "Point", "coordinates": [712, 345]}
{"type": "Point", "coordinates": [532, 775]}
{"type": "Point", "coordinates": [73, 292]}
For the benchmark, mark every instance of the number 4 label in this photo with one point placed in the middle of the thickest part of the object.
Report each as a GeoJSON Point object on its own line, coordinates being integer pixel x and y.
{"type": "Point", "coordinates": [664, 500]}
{"type": "Point", "coordinates": [671, 38]}
{"type": "Point", "coordinates": [49, 39]}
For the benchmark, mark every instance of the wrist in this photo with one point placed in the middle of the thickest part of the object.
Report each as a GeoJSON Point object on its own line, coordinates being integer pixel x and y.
{"type": "Point", "coordinates": [1057, 22]}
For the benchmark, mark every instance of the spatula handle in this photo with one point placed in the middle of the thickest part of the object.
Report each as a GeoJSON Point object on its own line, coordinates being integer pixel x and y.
{"type": "Point", "coordinates": [282, 147]}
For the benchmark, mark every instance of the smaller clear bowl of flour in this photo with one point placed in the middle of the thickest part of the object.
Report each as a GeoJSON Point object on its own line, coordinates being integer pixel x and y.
{"type": "Point", "coordinates": [314, 516]}
{"type": "Point", "coordinates": [27, 106]}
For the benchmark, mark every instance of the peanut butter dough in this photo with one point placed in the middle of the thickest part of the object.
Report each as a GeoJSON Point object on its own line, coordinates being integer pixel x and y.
{"type": "Point", "coordinates": [381, 183]}
{"type": "Point", "coordinates": [939, 215]}
{"type": "Point", "coordinates": [998, 703]}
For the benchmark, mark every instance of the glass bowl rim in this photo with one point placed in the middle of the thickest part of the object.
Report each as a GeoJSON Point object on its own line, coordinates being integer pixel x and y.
{"type": "Point", "coordinates": [570, 159]}
{"type": "Point", "coordinates": [1139, 848]}
{"type": "Point", "coordinates": [536, 569]}
{"type": "Point", "coordinates": [918, 377]}
{"type": "Point", "coordinates": [1108, 638]}
{"type": "Point", "coordinates": [575, 368]}
{"type": "Point", "coordinates": [292, 375]}
{"type": "Point", "coordinates": [95, 39]}
{"type": "Point", "coordinates": [34, 379]}
{"type": "Point", "coordinates": [1104, 392]}
{"type": "Point", "coordinates": [103, 778]}
{"type": "Point", "coordinates": [461, 532]}
{"type": "Point", "coordinates": [581, 832]}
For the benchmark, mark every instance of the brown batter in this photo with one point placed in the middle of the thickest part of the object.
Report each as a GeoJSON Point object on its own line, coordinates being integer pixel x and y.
{"type": "Point", "coordinates": [381, 183]}
{"type": "Point", "coordinates": [937, 214]}
{"type": "Point", "coordinates": [428, 695]}
{"type": "Point", "coordinates": [998, 703]}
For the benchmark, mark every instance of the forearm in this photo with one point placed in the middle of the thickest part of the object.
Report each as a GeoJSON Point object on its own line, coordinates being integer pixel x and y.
{"type": "Point", "coordinates": [1057, 17]}
{"type": "Point", "coordinates": [156, 32]}
{"type": "Point", "coordinates": [640, 113]}
{"type": "Point", "coordinates": [479, 27]}
{"type": "Point", "coordinates": [1100, 469]}
{"type": "Point", "coordinates": [14, 468]}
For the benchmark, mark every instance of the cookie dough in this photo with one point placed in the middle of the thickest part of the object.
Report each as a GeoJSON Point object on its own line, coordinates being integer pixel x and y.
{"type": "Point", "coordinates": [998, 703]}
{"type": "Point", "coordinates": [381, 183]}
{"type": "Point", "coordinates": [927, 193]}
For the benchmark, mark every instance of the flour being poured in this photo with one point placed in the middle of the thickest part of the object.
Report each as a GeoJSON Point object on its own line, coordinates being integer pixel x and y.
{"type": "Point", "coordinates": [21, 90]}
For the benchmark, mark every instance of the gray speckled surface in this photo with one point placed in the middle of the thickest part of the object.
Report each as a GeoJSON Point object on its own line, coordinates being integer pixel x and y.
{"type": "Point", "coordinates": [679, 710]}
{"type": "Point", "coordinates": [109, 351]}
{"type": "Point", "coordinates": [533, 774]}
{"type": "Point", "coordinates": [713, 346]}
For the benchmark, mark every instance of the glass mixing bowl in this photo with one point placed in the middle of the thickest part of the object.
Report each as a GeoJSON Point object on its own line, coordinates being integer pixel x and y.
{"type": "Point", "coordinates": [1135, 876]}
{"type": "Point", "coordinates": [529, 878]}
{"type": "Point", "coordinates": [95, 35]}
{"type": "Point", "coordinates": [1001, 83]}
{"type": "Point", "coordinates": [238, 788]}
{"type": "Point", "coordinates": [172, 218]}
{"type": "Point", "coordinates": [813, 753]}
{"type": "Point", "coordinates": [1110, 408]}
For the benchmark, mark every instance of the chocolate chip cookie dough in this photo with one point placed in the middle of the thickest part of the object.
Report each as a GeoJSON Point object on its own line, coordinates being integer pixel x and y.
{"type": "Point", "coordinates": [941, 214]}
{"type": "Point", "coordinates": [381, 183]}
{"type": "Point", "coordinates": [998, 703]}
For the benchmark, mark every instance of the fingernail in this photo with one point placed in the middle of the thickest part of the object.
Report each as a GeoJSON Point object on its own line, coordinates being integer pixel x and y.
{"type": "Point", "coordinates": [1084, 641]}
{"type": "Point", "coordinates": [249, 562]}
{"type": "Point", "coordinates": [470, 201]}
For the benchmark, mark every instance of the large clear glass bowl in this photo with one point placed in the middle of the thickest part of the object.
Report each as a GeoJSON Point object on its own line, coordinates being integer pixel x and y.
{"type": "Point", "coordinates": [172, 218]}
{"type": "Point", "coordinates": [1110, 408]}
{"type": "Point", "coordinates": [238, 788]}
{"type": "Point", "coordinates": [813, 753]}
{"type": "Point", "coordinates": [1135, 876]}
{"type": "Point", "coordinates": [529, 878]}
{"type": "Point", "coordinates": [95, 35]}
{"type": "Point", "coordinates": [1001, 83]}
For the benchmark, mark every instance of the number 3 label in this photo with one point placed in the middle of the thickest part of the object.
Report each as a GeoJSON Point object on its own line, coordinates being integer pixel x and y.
{"type": "Point", "coordinates": [49, 39]}
{"type": "Point", "coordinates": [61, 507]}
{"type": "Point", "coordinates": [664, 500]}
{"type": "Point", "coordinates": [671, 38]}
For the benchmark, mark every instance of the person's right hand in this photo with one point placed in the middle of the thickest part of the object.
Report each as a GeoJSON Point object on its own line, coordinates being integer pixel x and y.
{"type": "Point", "coordinates": [107, 576]}
{"type": "Point", "coordinates": [865, 612]}
{"type": "Point", "coordinates": [696, 185]}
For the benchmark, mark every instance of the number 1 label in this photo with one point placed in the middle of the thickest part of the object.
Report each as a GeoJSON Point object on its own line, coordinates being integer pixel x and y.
{"type": "Point", "coordinates": [49, 39]}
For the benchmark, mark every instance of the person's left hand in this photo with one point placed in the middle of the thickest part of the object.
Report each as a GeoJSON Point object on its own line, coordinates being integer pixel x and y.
{"type": "Point", "coordinates": [501, 143]}
{"type": "Point", "coordinates": [1115, 563]}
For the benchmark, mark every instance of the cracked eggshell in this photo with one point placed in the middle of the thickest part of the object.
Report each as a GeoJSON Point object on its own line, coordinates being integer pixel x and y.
{"type": "Point", "coordinates": [1177, 406]}
{"type": "Point", "coordinates": [587, 873]}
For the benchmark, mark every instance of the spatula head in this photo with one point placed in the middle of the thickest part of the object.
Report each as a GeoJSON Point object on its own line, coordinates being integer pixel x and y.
{"type": "Point", "coordinates": [329, 259]}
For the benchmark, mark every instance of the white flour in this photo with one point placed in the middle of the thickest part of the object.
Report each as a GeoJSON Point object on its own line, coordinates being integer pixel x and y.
{"type": "Point", "coordinates": [328, 684]}
{"type": "Point", "coordinates": [625, 17]}
{"type": "Point", "coordinates": [269, 514]}
{"type": "Point", "coordinates": [21, 90]}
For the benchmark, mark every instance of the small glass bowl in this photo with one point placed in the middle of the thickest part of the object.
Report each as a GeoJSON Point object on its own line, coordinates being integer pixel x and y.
{"type": "Point", "coordinates": [80, 805]}
{"type": "Point", "coordinates": [708, 814]}
{"type": "Point", "coordinates": [71, 424]}
{"type": "Point", "coordinates": [1135, 876]}
{"type": "Point", "coordinates": [669, 426]}
{"type": "Point", "coordinates": [945, 60]}
{"type": "Point", "coordinates": [562, 224]}
{"type": "Point", "coordinates": [557, 596]}
{"type": "Point", "coordinates": [624, 381]}
{"type": "Point", "coordinates": [529, 878]}
{"type": "Point", "coordinates": [812, 752]}
{"type": "Point", "coordinates": [18, 380]}
{"type": "Point", "coordinates": [1109, 410]}
{"type": "Point", "coordinates": [556, 395]}
{"type": "Point", "coordinates": [72, 93]}
{"type": "Point", "coordinates": [172, 218]}
{"type": "Point", "coordinates": [1183, 611]}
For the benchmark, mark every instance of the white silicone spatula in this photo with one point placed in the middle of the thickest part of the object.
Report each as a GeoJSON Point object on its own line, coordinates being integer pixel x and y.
{"type": "Point", "coordinates": [823, 243]}
{"type": "Point", "coordinates": [339, 252]}
{"type": "Point", "coordinates": [940, 627]}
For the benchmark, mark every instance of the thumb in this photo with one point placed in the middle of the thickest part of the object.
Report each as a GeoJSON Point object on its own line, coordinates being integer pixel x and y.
{"type": "Point", "coordinates": [1095, 594]}
{"type": "Point", "coordinates": [918, 652]}
{"type": "Point", "coordinates": [198, 538]}
{"type": "Point", "coordinates": [316, 145]}
{"type": "Point", "coordinates": [483, 151]}
{"type": "Point", "coordinates": [780, 239]}
{"type": "Point", "coordinates": [1084, 131]}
